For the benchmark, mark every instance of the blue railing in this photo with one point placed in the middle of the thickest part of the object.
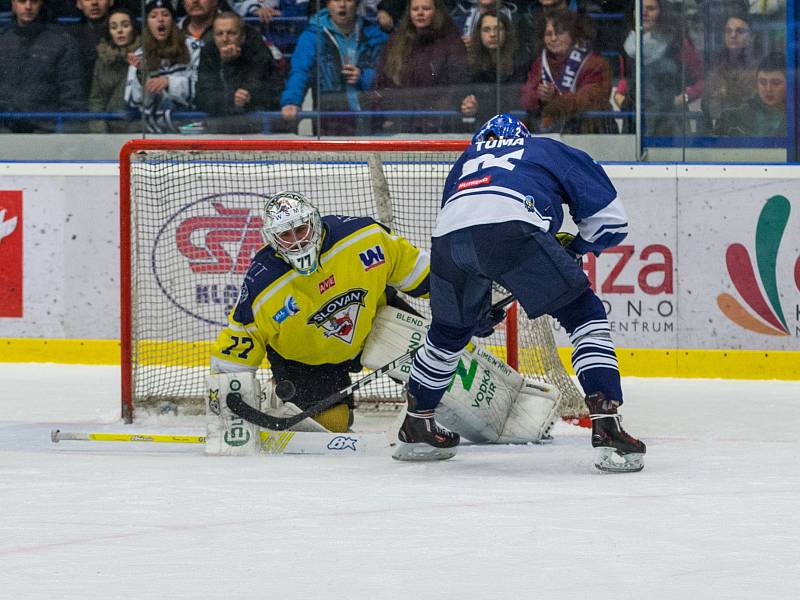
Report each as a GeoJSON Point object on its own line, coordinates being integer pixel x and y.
{"type": "Point", "coordinates": [266, 117]}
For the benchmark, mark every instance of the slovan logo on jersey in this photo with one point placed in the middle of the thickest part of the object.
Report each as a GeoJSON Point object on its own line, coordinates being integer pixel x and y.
{"type": "Point", "coordinates": [201, 253]}
{"type": "Point", "coordinates": [339, 315]}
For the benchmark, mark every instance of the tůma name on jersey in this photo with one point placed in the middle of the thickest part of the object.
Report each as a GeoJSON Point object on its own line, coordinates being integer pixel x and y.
{"type": "Point", "coordinates": [499, 144]}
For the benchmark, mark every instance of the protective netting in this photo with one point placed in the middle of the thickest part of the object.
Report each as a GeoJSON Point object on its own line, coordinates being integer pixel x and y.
{"type": "Point", "coordinates": [195, 224]}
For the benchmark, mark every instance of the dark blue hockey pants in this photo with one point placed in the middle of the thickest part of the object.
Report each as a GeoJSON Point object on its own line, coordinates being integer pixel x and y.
{"type": "Point", "coordinates": [540, 274]}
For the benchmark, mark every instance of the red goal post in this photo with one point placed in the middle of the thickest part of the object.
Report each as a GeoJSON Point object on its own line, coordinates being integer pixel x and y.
{"type": "Point", "coordinates": [190, 222]}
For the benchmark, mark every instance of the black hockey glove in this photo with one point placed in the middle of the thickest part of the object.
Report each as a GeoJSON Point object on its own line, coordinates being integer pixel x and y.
{"type": "Point", "coordinates": [486, 325]}
{"type": "Point", "coordinates": [565, 239]}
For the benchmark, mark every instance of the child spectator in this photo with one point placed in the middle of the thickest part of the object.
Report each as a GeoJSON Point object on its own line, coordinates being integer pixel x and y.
{"type": "Point", "coordinates": [493, 31]}
{"type": "Point", "coordinates": [160, 77]}
{"type": "Point", "coordinates": [765, 113]}
{"type": "Point", "coordinates": [40, 68]}
{"type": "Point", "coordinates": [237, 76]}
{"type": "Point", "coordinates": [567, 79]}
{"type": "Point", "coordinates": [423, 68]}
{"type": "Point", "coordinates": [350, 47]}
{"type": "Point", "coordinates": [732, 76]}
{"type": "Point", "coordinates": [111, 68]}
{"type": "Point", "coordinates": [88, 33]}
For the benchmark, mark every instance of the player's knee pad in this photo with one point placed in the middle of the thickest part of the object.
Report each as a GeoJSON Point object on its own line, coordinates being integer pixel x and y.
{"type": "Point", "coordinates": [226, 432]}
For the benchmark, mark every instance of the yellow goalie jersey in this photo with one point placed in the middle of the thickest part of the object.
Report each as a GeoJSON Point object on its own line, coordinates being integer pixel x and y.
{"type": "Point", "coordinates": [324, 317]}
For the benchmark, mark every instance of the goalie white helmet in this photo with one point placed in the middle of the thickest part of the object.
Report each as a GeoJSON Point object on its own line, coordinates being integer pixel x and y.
{"type": "Point", "coordinates": [293, 227]}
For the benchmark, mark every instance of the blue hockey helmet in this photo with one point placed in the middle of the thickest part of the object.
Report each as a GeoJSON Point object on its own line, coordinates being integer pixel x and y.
{"type": "Point", "coordinates": [502, 126]}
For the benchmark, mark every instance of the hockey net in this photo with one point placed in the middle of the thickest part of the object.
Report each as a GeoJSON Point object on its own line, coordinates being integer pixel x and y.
{"type": "Point", "coordinates": [190, 216]}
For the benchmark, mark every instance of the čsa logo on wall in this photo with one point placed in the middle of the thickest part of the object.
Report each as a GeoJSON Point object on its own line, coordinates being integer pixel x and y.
{"type": "Point", "coordinates": [11, 254]}
{"type": "Point", "coordinates": [762, 294]}
{"type": "Point", "coordinates": [203, 250]}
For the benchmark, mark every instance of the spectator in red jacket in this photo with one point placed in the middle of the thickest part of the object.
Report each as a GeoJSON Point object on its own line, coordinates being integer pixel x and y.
{"type": "Point", "coordinates": [423, 68]}
{"type": "Point", "coordinates": [567, 79]}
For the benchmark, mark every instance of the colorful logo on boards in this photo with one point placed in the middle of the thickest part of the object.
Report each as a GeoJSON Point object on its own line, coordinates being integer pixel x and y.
{"type": "Point", "coordinates": [765, 314]}
{"type": "Point", "coordinates": [11, 254]}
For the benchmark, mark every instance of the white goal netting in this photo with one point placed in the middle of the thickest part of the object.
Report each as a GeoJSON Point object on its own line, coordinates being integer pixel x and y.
{"type": "Point", "coordinates": [194, 223]}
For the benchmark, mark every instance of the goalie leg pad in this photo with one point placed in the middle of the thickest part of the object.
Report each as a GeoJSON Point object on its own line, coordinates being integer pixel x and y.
{"type": "Point", "coordinates": [481, 401]}
{"type": "Point", "coordinates": [226, 433]}
{"type": "Point", "coordinates": [394, 332]}
{"type": "Point", "coordinates": [489, 402]}
{"type": "Point", "coordinates": [532, 415]}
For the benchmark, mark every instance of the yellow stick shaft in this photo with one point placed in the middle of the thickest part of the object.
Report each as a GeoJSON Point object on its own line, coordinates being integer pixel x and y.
{"type": "Point", "coordinates": [56, 436]}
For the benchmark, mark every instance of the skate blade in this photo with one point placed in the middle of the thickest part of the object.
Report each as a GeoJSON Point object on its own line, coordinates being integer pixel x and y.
{"type": "Point", "coordinates": [422, 452]}
{"type": "Point", "coordinates": [609, 460]}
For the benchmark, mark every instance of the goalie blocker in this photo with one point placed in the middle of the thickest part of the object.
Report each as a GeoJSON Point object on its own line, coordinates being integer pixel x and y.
{"type": "Point", "coordinates": [487, 401]}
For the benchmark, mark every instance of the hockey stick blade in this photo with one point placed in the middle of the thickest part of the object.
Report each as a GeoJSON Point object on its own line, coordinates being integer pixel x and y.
{"type": "Point", "coordinates": [255, 416]}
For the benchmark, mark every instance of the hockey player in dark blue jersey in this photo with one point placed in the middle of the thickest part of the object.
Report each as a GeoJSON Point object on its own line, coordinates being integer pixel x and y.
{"type": "Point", "coordinates": [500, 215]}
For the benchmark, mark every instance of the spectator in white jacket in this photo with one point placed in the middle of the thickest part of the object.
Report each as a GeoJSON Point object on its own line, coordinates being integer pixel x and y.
{"type": "Point", "coordinates": [161, 78]}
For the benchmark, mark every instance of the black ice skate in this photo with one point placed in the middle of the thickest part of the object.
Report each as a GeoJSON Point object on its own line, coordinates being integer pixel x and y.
{"type": "Point", "coordinates": [618, 451]}
{"type": "Point", "coordinates": [421, 438]}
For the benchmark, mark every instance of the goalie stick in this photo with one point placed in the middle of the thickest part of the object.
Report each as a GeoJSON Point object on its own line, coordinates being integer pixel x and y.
{"type": "Point", "coordinates": [272, 442]}
{"type": "Point", "coordinates": [255, 416]}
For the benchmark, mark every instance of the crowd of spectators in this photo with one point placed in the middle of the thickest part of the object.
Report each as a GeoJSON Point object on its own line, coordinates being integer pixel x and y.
{"type": "Point", "coordinates": [707, 67]}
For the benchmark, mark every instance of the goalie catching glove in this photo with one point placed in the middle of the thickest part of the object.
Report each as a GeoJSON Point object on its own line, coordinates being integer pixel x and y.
{"type": "Point", "coordinates": [487, 401]}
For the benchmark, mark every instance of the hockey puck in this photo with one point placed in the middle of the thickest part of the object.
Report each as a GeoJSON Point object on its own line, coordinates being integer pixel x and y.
{"type": "Point", "coordinates": [285, 390]}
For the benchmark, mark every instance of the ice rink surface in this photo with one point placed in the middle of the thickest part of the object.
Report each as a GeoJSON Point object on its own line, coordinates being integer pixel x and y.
{"type": "Point", "coordinates": [714, 515]}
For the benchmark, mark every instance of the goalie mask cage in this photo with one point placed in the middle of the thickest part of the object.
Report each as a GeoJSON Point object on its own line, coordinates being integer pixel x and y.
{"type": "Point", "coordinates": [190, 221]}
